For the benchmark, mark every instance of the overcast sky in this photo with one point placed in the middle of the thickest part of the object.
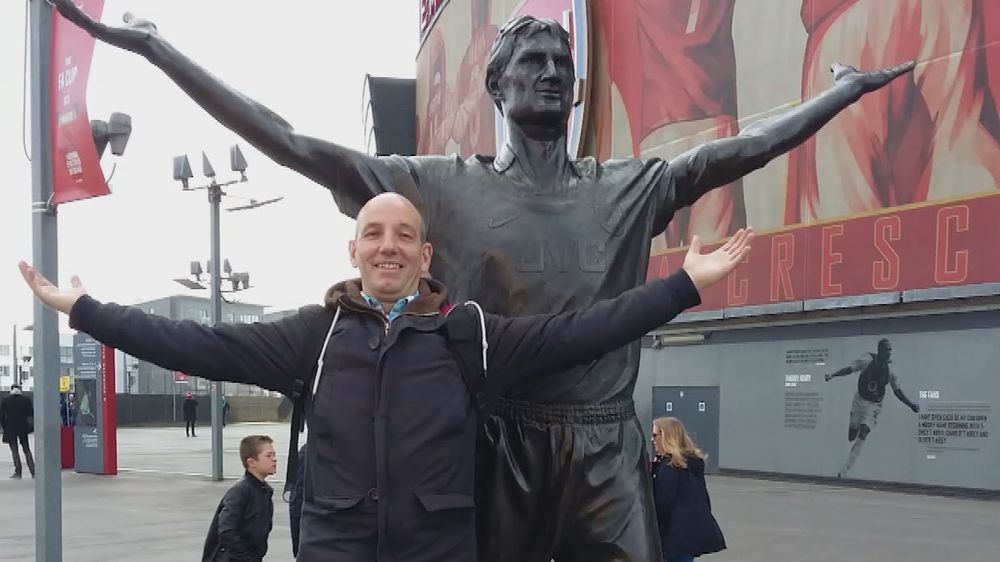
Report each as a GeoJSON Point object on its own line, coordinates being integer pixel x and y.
{"type": "Point", "coordinates": [305, 59]}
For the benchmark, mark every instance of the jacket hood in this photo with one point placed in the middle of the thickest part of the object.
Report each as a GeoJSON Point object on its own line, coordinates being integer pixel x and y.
{"type": "Point", "coordinates": [433, 296]}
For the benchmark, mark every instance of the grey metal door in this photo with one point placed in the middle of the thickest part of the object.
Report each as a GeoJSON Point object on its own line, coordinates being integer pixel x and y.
{"type": "Point", "coordinates": [698, 409]}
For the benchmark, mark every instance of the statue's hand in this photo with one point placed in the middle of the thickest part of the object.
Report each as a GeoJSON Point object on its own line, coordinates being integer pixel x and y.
{"type": "Point", "coordinates": [139, 24]}
{"type": "Point", "coordinates": [133, 36]}
{"type": "Point", "coordinates": [864, 82]}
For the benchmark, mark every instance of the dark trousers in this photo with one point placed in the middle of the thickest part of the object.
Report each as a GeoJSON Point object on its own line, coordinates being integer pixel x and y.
{"type": "Point", "coordinates": [189, 427]}
{"type": "Point", "coordinates": [565, 482]}
{"type": "Point", "coordinates": [30, 460]}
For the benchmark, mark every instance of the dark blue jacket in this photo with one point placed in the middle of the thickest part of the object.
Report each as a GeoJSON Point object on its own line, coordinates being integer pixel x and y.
{"type": "Point", "coordinates": [684, 510]}
{"type": "Point", "coordinates": [389, 472]}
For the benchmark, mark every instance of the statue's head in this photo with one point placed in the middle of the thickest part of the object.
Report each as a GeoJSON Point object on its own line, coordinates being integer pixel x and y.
{"type": "Point", "coordinates": [530, 74]}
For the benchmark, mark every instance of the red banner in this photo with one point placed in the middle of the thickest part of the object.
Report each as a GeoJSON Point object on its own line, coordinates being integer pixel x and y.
{"type": "Point", "coordinates": [76, 166]}
{"type": "Point", "coordinates": [109, 410]}
{"type": "Point", "coordinates": [916, 247]}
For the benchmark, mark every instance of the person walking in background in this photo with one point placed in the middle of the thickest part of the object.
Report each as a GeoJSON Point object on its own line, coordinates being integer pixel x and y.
{"type": "Point", "coordinates": [683, 508]}
{"type": "Point", "coordinates": [190, 414]}
{"type": "Point", "coordinates": [16, 419]}
{"type": "Point", "coordinates": [67, 409]}
{"type": "Point", "coordinates": [244, 517]}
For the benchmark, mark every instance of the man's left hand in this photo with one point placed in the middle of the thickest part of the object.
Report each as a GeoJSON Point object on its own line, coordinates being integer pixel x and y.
{"type": "Point", "coordinates": [707, 269]}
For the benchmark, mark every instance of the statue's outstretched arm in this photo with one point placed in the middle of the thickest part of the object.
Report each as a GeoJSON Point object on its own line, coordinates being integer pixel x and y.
{"type": "Point", "coordinates": [345, 172]}
{"type": "Point", "coordinates": [720, 162]}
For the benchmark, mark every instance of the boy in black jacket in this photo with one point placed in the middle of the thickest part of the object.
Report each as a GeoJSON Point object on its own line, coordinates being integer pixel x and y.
{"type": "Point", "coordinates": [242, 521]}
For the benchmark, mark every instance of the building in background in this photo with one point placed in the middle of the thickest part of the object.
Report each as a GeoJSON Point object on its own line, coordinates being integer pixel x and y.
{"type": "Point", "coordinates": [884, 226]}
{"type": "Point", "coordinates": [279, 314]}
{"type": "Point", "coordinates": [25, 360]}
{"type": "Point", "coordinates": [142, 377]}
{"type": "Point", "coordinates": [134, 376]}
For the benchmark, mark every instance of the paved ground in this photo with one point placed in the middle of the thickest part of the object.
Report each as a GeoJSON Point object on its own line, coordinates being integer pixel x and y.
{"type": "Point", "coordinates": [159, 507]}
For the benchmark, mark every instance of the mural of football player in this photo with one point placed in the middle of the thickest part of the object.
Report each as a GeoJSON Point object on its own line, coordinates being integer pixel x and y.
{"type": "Point", "coordinates": [931, 136]}
{"type": "Point", "coordinates": [874, 376]}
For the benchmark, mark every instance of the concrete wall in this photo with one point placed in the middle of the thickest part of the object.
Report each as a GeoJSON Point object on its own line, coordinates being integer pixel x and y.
{"type": "Point", "coordinates": [160, 409]}
{"type": "Point", "coordinates": [949, 365]}
{"type": "Point", "coordinates": [259, 409]}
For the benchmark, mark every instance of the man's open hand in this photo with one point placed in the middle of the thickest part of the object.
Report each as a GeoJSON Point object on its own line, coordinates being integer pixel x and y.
{"type": "Point", "coordinates": [707, 269]}
{"type": "Point", "coordinates": [52, 296]}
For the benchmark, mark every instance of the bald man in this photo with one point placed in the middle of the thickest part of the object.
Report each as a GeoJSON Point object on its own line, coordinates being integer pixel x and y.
{"type": "Point", "coordinates": [391, 461]}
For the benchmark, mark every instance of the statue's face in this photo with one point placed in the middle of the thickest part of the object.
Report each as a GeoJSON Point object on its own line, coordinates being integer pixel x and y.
{"type": "Point", "coordinates": [536, 88]}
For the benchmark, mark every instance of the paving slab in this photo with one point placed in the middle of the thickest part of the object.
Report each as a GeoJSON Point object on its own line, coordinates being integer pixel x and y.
{"type": "Point", "coordinates": [159, 508]}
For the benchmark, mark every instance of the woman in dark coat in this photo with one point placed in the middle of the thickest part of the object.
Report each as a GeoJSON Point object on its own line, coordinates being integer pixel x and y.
{"type": "Point", "coordinates": [683, 509]}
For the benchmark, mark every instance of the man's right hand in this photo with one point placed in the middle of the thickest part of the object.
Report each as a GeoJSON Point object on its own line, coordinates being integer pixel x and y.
{"type": "Point", "coordinates": [133, 36]}
{"type": "Point", "coordinates": [828, 377]}
{"type": "Point", "coordinates": [52, 296]}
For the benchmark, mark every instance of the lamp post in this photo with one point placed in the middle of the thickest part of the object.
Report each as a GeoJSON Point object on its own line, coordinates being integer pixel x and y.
{"type": "Point", "coordinates": [48, 481]}
{"type": "Point", "coordinates": [182, 173]}
{"type": "Point", "coordinates": [239, 280]}
{"type": "Point", "coordinates": [25, 368]}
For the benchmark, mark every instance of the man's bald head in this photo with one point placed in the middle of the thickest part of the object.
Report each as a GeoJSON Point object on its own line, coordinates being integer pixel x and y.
{"type": "Point", "coordinates": [393, 203]}
{"type": "Point", "coordinates": [390, 248]}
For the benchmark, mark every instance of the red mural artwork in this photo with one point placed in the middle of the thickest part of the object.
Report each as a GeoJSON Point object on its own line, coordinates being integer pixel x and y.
{"type": "Point", "coordinates": [927, 137]}
{"type": "Point", "coordinates": [674, 65]}
{"type": "Point", "coordinates": [941, 245]}
{"type": "Point", "coordinates": [462, 116]}
{"type": "Point", "coordinates": [474, 127]}
{"type": "Point", "coordinates": [906, 178]}
{"type": "Point", "coordinates": [434, 130]}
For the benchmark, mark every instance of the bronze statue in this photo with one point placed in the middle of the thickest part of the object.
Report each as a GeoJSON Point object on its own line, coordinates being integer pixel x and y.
{"type": "Point", "coordinates": [531, 231]}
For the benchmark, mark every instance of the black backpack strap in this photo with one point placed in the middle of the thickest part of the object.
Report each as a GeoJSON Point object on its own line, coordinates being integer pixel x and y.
{"type": "Point", "coordinates": [319, 323]}
{"type": "Point", "coordinates": [466, 326]}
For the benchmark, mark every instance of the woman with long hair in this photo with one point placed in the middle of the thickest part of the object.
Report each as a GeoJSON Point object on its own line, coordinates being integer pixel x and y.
{"type": "Point", "coordinates": [683, 508]}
